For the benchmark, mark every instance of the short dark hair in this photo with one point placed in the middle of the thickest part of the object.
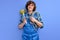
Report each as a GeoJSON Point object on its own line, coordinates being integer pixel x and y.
{"type": "Point", "coordinates": [30, 2]}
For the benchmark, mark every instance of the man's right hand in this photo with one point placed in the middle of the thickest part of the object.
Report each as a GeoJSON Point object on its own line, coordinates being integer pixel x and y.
{"type": "Point", "coordinates": [24, 20]}
{"type": "Point", "coordinates": [23, 23]}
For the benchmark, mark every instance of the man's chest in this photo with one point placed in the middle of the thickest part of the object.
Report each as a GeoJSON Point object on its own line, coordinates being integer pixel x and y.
{"type": "Point", "coordinates": [27, 16]}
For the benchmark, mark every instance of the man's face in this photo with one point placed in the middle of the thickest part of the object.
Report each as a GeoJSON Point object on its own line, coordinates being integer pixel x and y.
{"type": "Point", "coordinates": [30, 7]}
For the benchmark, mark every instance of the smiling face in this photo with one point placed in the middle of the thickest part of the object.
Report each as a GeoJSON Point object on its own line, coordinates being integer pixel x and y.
{"type": "Point", "coordinates": [30, 7]}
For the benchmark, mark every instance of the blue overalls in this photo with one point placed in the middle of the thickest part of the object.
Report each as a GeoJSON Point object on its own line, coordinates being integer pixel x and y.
{"type": "Point", "coordinates": [30, 29]}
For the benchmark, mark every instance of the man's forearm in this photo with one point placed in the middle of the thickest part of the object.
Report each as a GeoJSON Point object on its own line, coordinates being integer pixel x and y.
{"type": "Point", "coordinates": [21, 25]}
{"type": "Point", "coordinates": [39, 24]}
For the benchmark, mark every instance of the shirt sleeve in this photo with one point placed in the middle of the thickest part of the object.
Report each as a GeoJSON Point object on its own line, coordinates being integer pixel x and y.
{"type": "Point", "coordinates": [39, 19]}
{"type": "Point", "coordinates": [20, 21]}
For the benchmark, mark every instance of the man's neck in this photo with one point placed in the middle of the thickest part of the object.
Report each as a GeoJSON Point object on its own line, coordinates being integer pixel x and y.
{"type": "Point", "coordinates": [30, 12]}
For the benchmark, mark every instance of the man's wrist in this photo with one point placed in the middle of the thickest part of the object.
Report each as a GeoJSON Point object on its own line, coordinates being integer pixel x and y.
{"type": "Point", "coordinates": [23, 22]}
{"type": "Point", "coordinates": [35, 21]}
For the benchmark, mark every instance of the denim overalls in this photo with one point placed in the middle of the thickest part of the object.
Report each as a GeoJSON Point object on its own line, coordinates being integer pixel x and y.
{"type": "Point", "coordinates": [30, 29]}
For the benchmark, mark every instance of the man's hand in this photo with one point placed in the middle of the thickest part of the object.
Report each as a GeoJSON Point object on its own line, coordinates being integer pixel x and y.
{"type": "Point", "coordinates": [24, 20]}
{"type": "Point", "coordinates": [32, 19]}
{"type": "Point", "coordinates": [23, 23]}
{"type": "Point", "coordinates": [39, 24]}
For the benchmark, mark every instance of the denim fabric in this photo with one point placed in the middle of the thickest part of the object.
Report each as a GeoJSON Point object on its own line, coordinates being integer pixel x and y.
{"type": "Point", "coordinates": [30, 29]}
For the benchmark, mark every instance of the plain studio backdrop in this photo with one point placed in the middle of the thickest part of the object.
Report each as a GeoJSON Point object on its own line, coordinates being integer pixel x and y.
{"type": "Point", "coordinates": [9, 19]}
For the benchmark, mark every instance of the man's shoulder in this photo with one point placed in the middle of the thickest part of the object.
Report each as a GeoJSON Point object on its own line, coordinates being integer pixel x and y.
{"type": "Point", "coordinates": [36, 13]}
